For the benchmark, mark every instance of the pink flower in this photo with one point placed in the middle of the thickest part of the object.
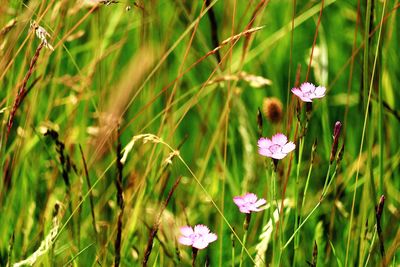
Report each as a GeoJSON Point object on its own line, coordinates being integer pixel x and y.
{"type": "Point", "coordinates": [198, 238]}
{"type": "Point", "coordinates": [277, 148]}
{"type": "Point", "coordinates": [249, 203]}
{"type": "Point", "coordinates": [307, 92]}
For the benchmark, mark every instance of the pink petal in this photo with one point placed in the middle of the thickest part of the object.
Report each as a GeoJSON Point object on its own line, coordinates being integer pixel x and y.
{"type": "Point", "coordinates": [186, 230]}
{"type": "Point", "coordinates": [307, 87]}
{"type": "Point", "coordinates": [260, 202]}
{"type": "Point", "coordinates": [319, 92]}
{"type": "Point", "coordinates": [250, 197]}
{"type": "Point", "coordinates": [301, 95]}
{"type": "Point", "coordinates": [278, 155]}
{"type": "Point", "coordinates": [297, 92]}
{"type": "Point", "coordinates": [289, 147]}
{"type": "Point", "coordinates": [264, 142]}
{"type": "Point", "coordinates": [185, 241]}
{"type": "Point", "coordinates": [211, 237]}
{"type": "Point", "coordinates": [279, 139]}
{"type": "Point", "coordinates": [200, 243]}
{"type": "Point", "coordinates": [255, 209]}
{"type": "Point", "coordinates": [201, 229]}
{"type": "Point", "coordinates": [305, 99]}
{"type": "Point", "coordinates": [239, 200]}
{"type": "Point", "coordinates": [264, 152]}
{"type": "Point", "coordinates": [244, 209]}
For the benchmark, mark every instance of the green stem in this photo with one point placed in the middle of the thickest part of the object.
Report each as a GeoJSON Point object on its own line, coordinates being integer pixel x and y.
{"type": "Point", "coordinates": [296, 199]}
{"type": "Point", "coordinates": [241, 252]}
{"type": "Point", "coordinates": [371, 247]}
{"type": "Point", "coordinates": [276, 249]}
{"type": "Point", "coordinates": [233, 250]}
{"type": "Point", "coordinates": [305, 189]}
{"type": "Point", "coordinates": [326, 180]}
{"type": "Point", "coordinates": [246, 228]}
{"type": "Point", "coordinates": [380, 139]}
{"type": "Point", "coordinates": [307, 182]}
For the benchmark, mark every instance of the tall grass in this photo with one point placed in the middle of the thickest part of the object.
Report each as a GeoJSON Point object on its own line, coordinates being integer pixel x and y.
{"type": "Point", "coordinates": [153, 110]}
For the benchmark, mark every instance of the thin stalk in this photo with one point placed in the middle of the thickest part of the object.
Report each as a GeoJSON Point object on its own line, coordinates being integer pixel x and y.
{"type": "Point", "coordinates": [366, 51]}
{"type": "Point", "coordinates": [242, 251]}
{"type": "Point", "coordinates": [307, 183]}
{"type": "Point", "coordinates": [120, 201]}
{"type": "Point", "coordinates": [276, 249]}
{"type": "Point", "coordinates": [273, 176]}
{"type": "Point", "coordinates": [301, 225]}
{"type": "Point", "coordinates": [233, 250]}
{"type": "Point", "coordinates": [371, 247]}
{"type": "Point", "coordinates": [280, 237]}
{"type": "Point", "coordinates": [91, 199]}
{"type": "Point", "coordinates": [296, 192]}
{"type": "Point", "coordinates": [246, 230]}
{"type": "Point", "coordinates": [327, 179]}
{"type": "Point", "coordinates": [380, 140]}
{"type": "Point", "coordinates": [290, 56]}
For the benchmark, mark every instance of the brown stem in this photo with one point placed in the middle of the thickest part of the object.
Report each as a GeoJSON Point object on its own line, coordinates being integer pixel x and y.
{"type": "Point", "coordinates": [120, 202]}
{"type": "Point", "coordinates": [315, 39]}
{"type": "Point", "coordinates": [91, 201]}
{"type": "Point", "coordinates": [156, 225]}
{"type": "Point", "coordinates": [379, 211]}
{"type": "Point", "coordinates": [194, 256]}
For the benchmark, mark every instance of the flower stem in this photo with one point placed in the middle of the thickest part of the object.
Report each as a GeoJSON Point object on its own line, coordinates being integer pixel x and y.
{"type": "Point", "coordinates": [245, 227]}
{"type": "Point", "coordinates": [326, 181]}
{"type": "Point", "coordinates": [233, 250]}
{"type": "Point", "coordinates": [276, 247]}
{"type": "Point", "coordinates": [306, 188]}
{"type": "Point", "coordinates": [296, 196]}
{"type": "Point", "coordinates": [194, 255]}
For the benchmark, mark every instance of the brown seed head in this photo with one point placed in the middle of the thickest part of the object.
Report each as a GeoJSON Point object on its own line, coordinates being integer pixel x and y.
{"type": "Point", "coordinates": [273, 109]}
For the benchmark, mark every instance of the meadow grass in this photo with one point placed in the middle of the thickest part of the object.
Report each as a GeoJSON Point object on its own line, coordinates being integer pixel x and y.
{"type": "Point", "coordinates": [124, 121]}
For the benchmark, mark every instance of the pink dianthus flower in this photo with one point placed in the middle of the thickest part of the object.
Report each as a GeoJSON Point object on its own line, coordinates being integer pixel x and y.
{"type": "Point", "coordinates": [277, 147]}
{"type": "Point", "coordinates": [199, 237]}
{"type": "Point", "coordinates": [307, 92]}
{"type": "Point", "coordinates": [249, 203]}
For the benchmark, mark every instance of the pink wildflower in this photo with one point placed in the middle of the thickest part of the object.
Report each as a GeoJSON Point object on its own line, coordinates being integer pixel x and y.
{"type": "Point", "coordinates": [249, 203]}
{"type": "Point", "coordinates": [307, 92]}
{"type": "Point", "coordinates": [198, 238]}
{"type": "Point", "coordinates": [277, 148]}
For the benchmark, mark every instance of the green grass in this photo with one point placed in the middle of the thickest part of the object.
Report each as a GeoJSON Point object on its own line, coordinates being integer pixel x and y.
{"type": "Point", "coordinates": [151, 70]}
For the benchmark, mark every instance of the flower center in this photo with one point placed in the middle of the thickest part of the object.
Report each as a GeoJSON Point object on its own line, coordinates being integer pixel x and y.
{"type": "Point", "coordinates": [274, 148]}
{"type": "Point", "coordinates": [196, 236]}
